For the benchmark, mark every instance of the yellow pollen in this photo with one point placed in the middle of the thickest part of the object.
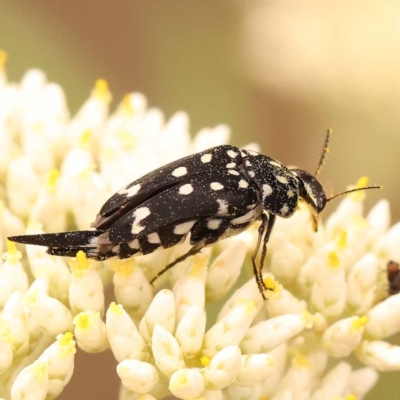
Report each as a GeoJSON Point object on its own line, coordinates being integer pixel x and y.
{"type": "Point", "coordinates": [12, 255]}
{"type": "Point", "coordinates": [31, 298]}
{"type": "Point", "coordinates": [66, 344]}
{"type": "Point", "coordinates": [358, 323]}
{"type": "Point", "coordinates": [5, 330]}
{"type": "Point", "coordinates": [39, 370]}
{"type": "Point", "coordinates": [274, 288]}
{"type": "Point", "coordinates": [204, 360]}
{"type": "Point", "coordinates": [264, 398]}
{"type": "Point", "coordinates": [3, 58]}
{"type": "Point", "coordinates": [52, 179]}
{"type": "Point", "coordinates": [270, 361]}
{"type": "Point", "coordinates": [79, 265]}
{"type": "Point", "coordinates": [87, 172]}
{"type": "Point", "coordinates": [127, 140]}
{"type": "Point", "coordinates": [249, 306]}
{"type": "Point", "coordinates": [361, 183]}
{"type": "Point", "coordinates": [360, 222]}
{"type": "Point", "coordinates": [84, 138]}
{"type": "Point", "coordinates": [116, 308]}
{"type": "Point", "coordinates": [123, 267]}
{"type": "Point", "coordinates": [351, 397]}
{"type": "Point", "coordinates": [198, 265]}
{"type": "Point", "coordinates": [307, 318]}
{"type": "Point", "coordinates": [300, 360]}
{"type": "Point", "coordinates": [101, 91]}
{"type": "Point", "coordinates": [127, 104]}
{"type": "Point", "coordinates": [85, 320]}
{"type": "Point", "coordinates": [333, 259]}
{"type": "Point", "coordinates": [341, 241]}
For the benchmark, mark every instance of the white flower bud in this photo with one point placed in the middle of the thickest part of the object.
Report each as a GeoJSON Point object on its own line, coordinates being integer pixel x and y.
{"type": "Point", "coordinates": [230, 330]}
{"type": "Point", "coordinates": [138, 376]}
{"type": "Point", "coordinates": [225, 270]}
{"type": "Point", "coordinates": [248, 291]}
{"type": "Point", "coordinates": [21, 197]}
{"type": "Point", "coordinates": [123, 336]}
{"type": "Point", "coordinates": [189, 289]}
{"type": "Point", "coordinates": [283, 302]}
{"type": "Point", "coordinates": [223, 368]}
{"type": "Point", "coordinates": [297, 378]}
{"type": "Point", "coordinates": [14, 315]}
{"type": "Point", "coordinates": [361, 381]}
{"type": "Point", "coordinates": [9, 223]}
{"type": "Point", "coordinates": [384, 318]}
{"type": "Point", "coordinates": [187, 383]}
{"type": "Point", "coordinates": [379, 219]}
{"type": "Point", "coordinates": [167, 354]}
{"type": "Point", "coordinates": [12, 274]}
{"type": "Point", "coordinates": [60, 361]}
{"type": "Point", "coordinates": [160, 312]}
{"type": "Point", "coordinates": [342, 337]}
{"type": "Point", "coordinates": [286, 262]}
{"type": "Point", "coordinates": [254, 369]}
{"type": "Point", "coordinates": [90, 332]}
{"type": "Point", "coordinates": [362, 285]}
{"type": "Point", "coordinates": [50, 314]}
{"type": "Point", "coordinates": [86, 290]}
{"type": "Point", "coordinates": [49, 208]}
{"type": "Point", "coordinates": [267, 335]}
{"type": "Point", "coordinates": [387, 246]}
{"type": "Point", "coordinates": [379, 355]}
{"type": "Point", "coordinates": [328, 294]}
{"type": "Point", "coordinates": [31, 382]}
{"type": "Point", "coordinates": [131, 287]}
{"type": "Point", "coordinates": [190, 331]}
{"type": "Point", "coordinates": [334, 383]}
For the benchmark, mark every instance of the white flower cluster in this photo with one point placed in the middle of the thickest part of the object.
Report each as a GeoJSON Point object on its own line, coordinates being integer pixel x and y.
{"type": "Point", "coordinates": [327, 298]}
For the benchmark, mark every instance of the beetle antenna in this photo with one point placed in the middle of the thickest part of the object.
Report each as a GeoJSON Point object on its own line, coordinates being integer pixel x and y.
{"type": "Point", "coordinates": [325, 150]}
{"type": "Point", "coordinates": [351, 191]}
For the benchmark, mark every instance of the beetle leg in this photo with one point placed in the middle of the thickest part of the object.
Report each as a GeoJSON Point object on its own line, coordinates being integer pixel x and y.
{"type": "Point", "coordinates": [256, 271]}
{"type": "Point", "coordinates": [270, 225]}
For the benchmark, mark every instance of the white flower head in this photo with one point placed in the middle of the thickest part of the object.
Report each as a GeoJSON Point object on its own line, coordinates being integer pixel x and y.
{"type": "Point", "coordinates": [202, 331]}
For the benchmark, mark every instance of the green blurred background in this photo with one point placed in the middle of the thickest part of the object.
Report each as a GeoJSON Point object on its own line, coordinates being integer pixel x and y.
{"type": "Point", "coordinates": [278, 72]}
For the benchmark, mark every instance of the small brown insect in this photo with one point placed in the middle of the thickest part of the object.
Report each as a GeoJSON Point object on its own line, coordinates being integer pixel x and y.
{"type": "Point", "coordinates": [393, 276]}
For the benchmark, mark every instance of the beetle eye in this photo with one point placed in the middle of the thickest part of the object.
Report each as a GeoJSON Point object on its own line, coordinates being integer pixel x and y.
{"type": "Point", "coordinates": [311, 190]}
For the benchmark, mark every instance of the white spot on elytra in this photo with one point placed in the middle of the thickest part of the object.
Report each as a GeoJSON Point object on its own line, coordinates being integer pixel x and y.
{"type": "Point", "coordinates": [231, 153]}
{"type": "Point", "coordinates": [275, 164]}
{"type": "Point", "coordinates": [115, 249]}
{"type": "Point", "coordinates": [153, 238]}
{"type": "Point", "coordinates": [252, 174]}
{"type": "Point", "coordinates": [216, 186]}
{"type": "Point", "coordinates": [267, 190]}
{"type": "Point", "coordinates": [139, 214]}
{"type": "Point", "coordinates": [223, 207]}
{"type": "Point", "coordinates": [244, 218]}
{"type": "Point", "coordinates": [205, 158]}
{"type": "Point", "coordinates": [231, 165]}
{"type": "Point", "coordinates": [186, 189]}
{"type": "Point", "coordinates": [184, 228]}
{"type": "Point", "coordinates": [130, 191]}
{"type": "Point", "coordinates": [281, 179]}
{"type": "Point", "coordinates": [233, 172]}
{"type": "Point", "coordinates": [214, 224]}
{"type": "Point", "coordinates": [134, 244]}
{"type": "Point", "coordinates": [284, 210]}
{"type": "Point", "coordinates": [179, 171]}
{"type": "Point", "coordinates": [243, 184]}
{"type": "Point", "coordinates": [290, 193]}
